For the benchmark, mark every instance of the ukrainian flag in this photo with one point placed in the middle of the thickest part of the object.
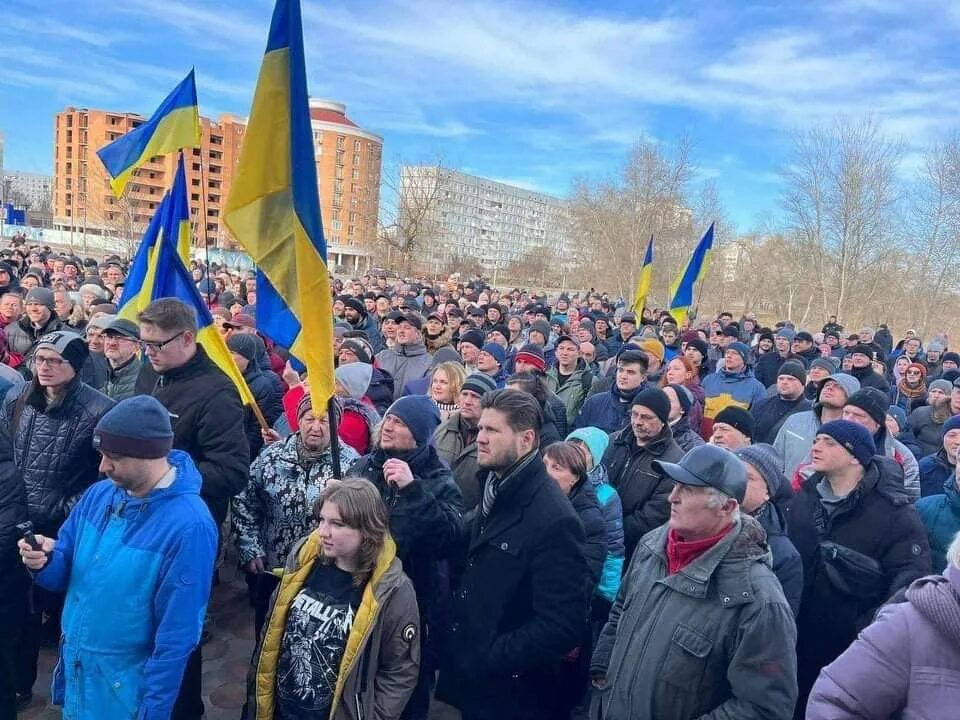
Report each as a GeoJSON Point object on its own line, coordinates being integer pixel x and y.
{"type": "Point", "coordinates": [681, 291]}
{"type": "Point", "coordinates": [158, 272]}
{"type": "Point", "coordinates": [274, 207]}
{"type": "Point", "coordinates": [175, 125]}
{"type": "Point", "coordinates": [643, 282]}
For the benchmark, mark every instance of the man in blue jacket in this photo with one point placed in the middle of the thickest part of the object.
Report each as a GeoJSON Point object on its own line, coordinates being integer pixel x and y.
{"type": "Point", "coordinates": [135, 557]}
{"type": "Point", "coordinates": [610, 411]}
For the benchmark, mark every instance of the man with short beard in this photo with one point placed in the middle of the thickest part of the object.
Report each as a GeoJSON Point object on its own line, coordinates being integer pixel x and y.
{"type": "Point", "coordinates": [355, 313]}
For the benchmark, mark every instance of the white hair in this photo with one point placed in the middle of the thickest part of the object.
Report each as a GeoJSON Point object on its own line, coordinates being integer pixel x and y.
{"type": "Point", "coordinates": [717, 498]}
{"type": "Point", "coordinates": [953, 552]}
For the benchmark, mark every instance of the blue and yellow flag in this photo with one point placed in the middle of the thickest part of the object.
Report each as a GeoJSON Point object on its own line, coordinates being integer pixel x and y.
{"type": "Point", "coordinates": [180, 213]}
{"type": "Point", "coordinates": [175, 125]}
{"type": "Point", "coordinates": [274, 207]}
{"type": "Point", "coordinates": [643, 282]}
{"type": "Point", "coordinates": [681, 291]}
{"type": "Point", "coordinates": [158, 272]}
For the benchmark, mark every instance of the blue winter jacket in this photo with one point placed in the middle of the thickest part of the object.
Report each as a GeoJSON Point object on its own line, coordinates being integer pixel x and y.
{"type": "Point", "coordinates": [137, 573]}
{"type": "Point", "coordinates": [724, 389]}
{"type": "Point", "coordinates": [609, 411]}
{"type": "Point", "coordinates": [941, 517]}
{"type": "Point", "coordinates": [935, 472]}
{"type": "Point", "coordinates": [612, 510]}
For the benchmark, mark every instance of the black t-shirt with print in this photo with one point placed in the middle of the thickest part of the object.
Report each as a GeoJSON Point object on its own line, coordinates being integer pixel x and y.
{"type": "Point", "coordinates": [316, 632]}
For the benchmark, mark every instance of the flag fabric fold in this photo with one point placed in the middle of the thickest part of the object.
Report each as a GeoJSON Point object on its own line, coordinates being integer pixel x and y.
{"type": "Point", "coordinates": [274, 207]}
{"type": "Point", "coordinates": [174, 125]}
{"type": "Point", "coordinates": [644, 280]}
{"type": "Point", "coordinates": [681, 290]}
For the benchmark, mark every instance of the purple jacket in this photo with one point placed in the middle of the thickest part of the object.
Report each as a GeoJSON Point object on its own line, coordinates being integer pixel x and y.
{"type": "Point", "coordinates": [906, 664]}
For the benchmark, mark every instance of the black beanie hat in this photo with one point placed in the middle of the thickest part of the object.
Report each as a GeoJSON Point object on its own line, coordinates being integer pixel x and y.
{"type": "Point", "coordinates": [656, 400]}
{"type": "Point", "coordinates": [700, 347]}
{"type": "Point", "coordinates": [794, 368]}
{"type": "Point", "coordinates": [873, 402]}
{"type": "Point", "coordinates": [736, 417]}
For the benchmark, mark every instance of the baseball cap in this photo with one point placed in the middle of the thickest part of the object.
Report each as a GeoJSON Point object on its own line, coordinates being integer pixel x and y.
{"type": "Point", "coordinates": [708, 466]}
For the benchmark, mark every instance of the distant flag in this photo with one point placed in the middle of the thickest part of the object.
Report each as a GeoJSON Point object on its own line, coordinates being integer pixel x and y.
{"type": "Point", "coordinates": [681, 291]}
{"type": "Point", "coordinates": [158, 272]}
{"type": "Point", "coordinates": [643, 282]}
{"type": "Point", "coordinates": [180, 213]}
{"type": "Point", "coordinates": [174, 125]}
{"type": "Point", "coordinates": [274, 208]}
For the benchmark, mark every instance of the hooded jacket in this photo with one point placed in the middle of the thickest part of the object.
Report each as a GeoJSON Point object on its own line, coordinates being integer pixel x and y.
{"type": "Point", "coordinates": [612, 510]}
{"type": "Point", "coordinates": [941, 517]}
{"type": "Point", "coordinates": [723, 389]}
{"type": "Point", "coordinates": [381, 660]}
{"type": "Point", "coordinates": [854, 558]}
{"type": "Point", "coordinates": [404, 363]}
{"type": "Point", "coordinates": [714, 640]}
{"type": "Point", "coordinates": [141, 567]}
{"type": "Point", "coordinates": [276, 508]}
{"type": "Point", "coordinates": [904, 665]}
{"type": "Point", "coordinates": [53, 447]}
{"type": "Point", "coordinates": [643, 490]}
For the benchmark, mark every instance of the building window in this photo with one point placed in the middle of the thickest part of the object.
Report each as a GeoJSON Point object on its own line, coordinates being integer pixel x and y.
{"type": "Point", "coordinates": [196, 167]}
{"type": "Point", "coordinates": [356, 146]}
{"type": "Point", "coordinates": [336, 215]}
{"type": "Point", "coordinates": [356, 174]}
{"type": "Point", "coordinates": [341, 142]}
{"type": "Point", "coordinates": [350, 229]}
{"type": "Point", "coordinates": [340, 157]}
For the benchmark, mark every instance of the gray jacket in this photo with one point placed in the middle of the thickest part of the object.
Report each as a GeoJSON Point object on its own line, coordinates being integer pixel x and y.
{"type": "Point", "coordinates": [461, 458]}
{"type": "Point", "coordinates": [122, 382]}
{"type": "Point", "coordinates": [404, 363]}
{"type": "Point", "coordinates": [795, 438]}
{"type": "Point", "coordinates": [715, 640]}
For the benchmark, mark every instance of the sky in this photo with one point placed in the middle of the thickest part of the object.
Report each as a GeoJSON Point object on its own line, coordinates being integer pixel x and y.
{"type": "Point", "coordinates": [529, 92]}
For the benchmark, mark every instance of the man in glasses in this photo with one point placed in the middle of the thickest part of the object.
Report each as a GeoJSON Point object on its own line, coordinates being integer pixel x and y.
{"type": "Point", "coordinates": [51, 422]}
{"type": "Point", "coordinates": [207, 421]}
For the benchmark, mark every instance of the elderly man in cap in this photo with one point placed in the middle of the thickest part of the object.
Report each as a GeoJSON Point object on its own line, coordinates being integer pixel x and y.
{"type": "Point", "coordinates": [425, 509]}
{"type": "Point", "coordinates": [136, 556]}
{"type": "Point", "coordinates": [408, 359]}
{"type": "Point", "coordinates": [121, 347]}
{"type": "Point", "coordinates": [860, 540]}
{"type": "Point", "coordinates": [701, 627]}
{"type": "Point", "coordinates": [732, 386]}
{"type": "Point", "coordinates": [51, 421]}
{"type": "Point", "coordinates": [630, 460]}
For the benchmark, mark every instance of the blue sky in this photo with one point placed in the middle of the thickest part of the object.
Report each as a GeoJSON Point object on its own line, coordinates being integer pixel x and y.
{"type": "Point", "coordinates": [530, 92]}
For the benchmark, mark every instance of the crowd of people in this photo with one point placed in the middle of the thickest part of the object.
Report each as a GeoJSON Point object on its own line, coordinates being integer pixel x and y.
{"type": "Point", "coordinates": [516, 506]}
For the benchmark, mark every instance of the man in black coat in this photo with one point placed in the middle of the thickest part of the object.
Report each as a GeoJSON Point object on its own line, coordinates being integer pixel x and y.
{"type": "Point", "coordinates": [425, 509]}
{"type": "Point", "coordinates": [16, 582]}
{"type": "Point", "coordinates": [644, 491]}
{"type": "Point", "coordinates": [860, 540]}
{"type": "Point", "coordinates": [520, 606]}
{"type": "Point", "coordinates": [769, 413]}
{"type": "Point", "coordinates": [862, 356]}
{"type": "Point", "coordinates": [207, 421]}
{"type": "Point", "coordinates": [767, 368]}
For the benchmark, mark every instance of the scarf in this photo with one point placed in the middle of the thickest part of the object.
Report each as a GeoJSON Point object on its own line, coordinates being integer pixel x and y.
{"type": "Point", "coordinates": [306, 456]}
{"type": "Point", "coordinates": [918, 390]}
{"type": "Point", "coordinates": [495, 483]}
{"type": "Point", "coordinates": [936, 599]}
{"type": "Point", "coordinates": [681, 553]}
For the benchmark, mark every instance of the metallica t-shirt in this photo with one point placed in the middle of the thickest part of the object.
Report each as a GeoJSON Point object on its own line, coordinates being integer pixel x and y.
{"type": "Point", "coordinates": [318, 625]}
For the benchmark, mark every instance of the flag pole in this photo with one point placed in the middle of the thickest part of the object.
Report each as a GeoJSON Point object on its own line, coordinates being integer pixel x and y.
{"type": "Point", "coordinates": [334, 437]}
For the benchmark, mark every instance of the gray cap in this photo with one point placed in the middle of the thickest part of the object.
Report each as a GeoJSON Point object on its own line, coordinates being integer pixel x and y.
{"type": "Point", "coordinates": [708, 466]}
{"type": "Point", "coordinates": [41, 295]}
{"type": "Point", "coordinates": [120, 326]}
{"type": "Point", "coordinates": [848, 382]}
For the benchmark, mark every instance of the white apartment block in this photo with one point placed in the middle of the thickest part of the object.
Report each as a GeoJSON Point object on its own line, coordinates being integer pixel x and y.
{"type": "Point", "coordinates": [475, 217]}
{"type": "Point", "coordinates": [33, 189]}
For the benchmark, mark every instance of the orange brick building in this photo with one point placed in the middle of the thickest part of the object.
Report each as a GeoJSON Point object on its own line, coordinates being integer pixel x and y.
{"type": "Point", "coordinates": [348, 172]}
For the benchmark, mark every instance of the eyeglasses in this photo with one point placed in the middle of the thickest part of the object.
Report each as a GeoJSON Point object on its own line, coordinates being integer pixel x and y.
{"type": "Point", "coordinates": [913, 372]}
{"type": "Point", "coordinates": [157, 346]}
{"type": "Point", "coordinates": [53, 362]}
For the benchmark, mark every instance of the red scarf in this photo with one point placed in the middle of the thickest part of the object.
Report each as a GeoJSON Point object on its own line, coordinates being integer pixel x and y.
{"type": "Point", "coordinates": [681, 553]}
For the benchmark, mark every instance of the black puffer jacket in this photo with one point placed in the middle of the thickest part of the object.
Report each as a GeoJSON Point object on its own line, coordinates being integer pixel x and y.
{"type": "Point", "coordinates": [207, 424]}
{"type": "Point", "coordinates": [13, 510]}
{"type": "Point", "coordinates": [53, 447]}
{"type": "Point", "coordinates": [267, 390]}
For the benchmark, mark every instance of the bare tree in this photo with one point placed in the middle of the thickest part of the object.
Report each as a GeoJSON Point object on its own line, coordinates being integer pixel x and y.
{"type": "Point", "coordinates": [840, 197]}
{"type": "Point", "coordinates": [409, 214]}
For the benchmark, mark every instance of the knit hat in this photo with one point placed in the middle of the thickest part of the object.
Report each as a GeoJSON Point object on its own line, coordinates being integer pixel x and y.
{"type": "Point", "coordinates": [737, 418]}
{"type": "Point", "coordinates": [532, 355]}
{"type": "Point", "coordinates": [871, 401]}
{"type": "Point", "coordinates": [354, 304]}
{"type": "Point", "coordinates": [849, 383]}
{"type": "Point", "coordinates": [542, 327]}
{"type": "Point", "coordinates": [480, 383]}
{"type": "Point", "coordinates": [944, 386]}
{"type": "Point", "coordinates": [70, 346]}
{"type": "Point", "coordinates": [823, 363]}
{"type": "Point", "coordinates": [138, 427]}
{"type": "Point", "coordinates": [731, 330]}
{"type": "Point", "coordinates": [654, 347]}
{"type": "Point", "coordinates": [41, 295]}
{"type": "Point", "coordinates": [99, 292]}
{"type": "Point", "coordinates": [803, 336]}
{"type": "Point", "coordinates": [656, 400]}
{"type": "Point", "coordinates": [769, 463]}
{"type": "Point", "coordinates": [684, 397]}
{"type": "Point", "coordinates": [787, 333]}
{"type": "Point", "coordinates": [952, 423]}
{"type": "Point", "coordinates": [495, 351]}
{"type": "Point", "coordinates": [419, 413]}
{"type": "Point", "coordinates": [358, 347]}
{"type": "Point", "coordinates": [595, 439]}
{"type": "Point", "coordinates": [794, 368]}
{"type": "Point", "coordinates": [951, 357]}
{"type": "Point", "coordinates": [861, 349]}
{"type": "Point", "coordinates": [854, 437]}
{"type": "Point", "coordinates": [500, 328]}
{"type": "Point", "coordinates": [473, 337]}
{"type": "Point", "coordinates": [739, 348]}
{"type": "Point", "coordinates": [700, 346]}
{"type": "Point", "coordinates": [898, 414]}
{"type": "Point", "coordinates": [921, 368]}
{"type": "Point", "coordinates": [355, 378]}
{"type": "Point", "coordinates": [446, 354]}
{"type": "Point", "coordinates": [936, 346]}
{"type": "Point", "coordinates": [244, 345]}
